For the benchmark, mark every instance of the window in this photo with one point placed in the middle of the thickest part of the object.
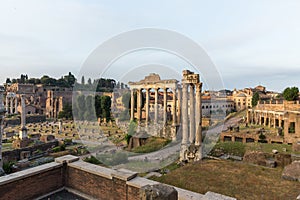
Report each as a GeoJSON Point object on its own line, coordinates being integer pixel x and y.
{"type": "Point", "coordinates": [292, 127]}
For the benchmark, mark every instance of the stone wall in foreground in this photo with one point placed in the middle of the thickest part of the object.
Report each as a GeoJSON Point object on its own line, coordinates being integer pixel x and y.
{"type": "Point", "coordinates": [83, 179]}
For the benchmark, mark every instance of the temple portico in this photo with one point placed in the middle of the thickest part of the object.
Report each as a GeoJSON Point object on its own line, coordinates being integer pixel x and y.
{"type": "Point", "coordinates": [153, 84]}
{"type": "Point", "coordinates": [185, 109]}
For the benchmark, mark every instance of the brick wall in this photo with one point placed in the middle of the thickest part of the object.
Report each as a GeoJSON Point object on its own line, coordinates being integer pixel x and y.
{"type": "Point", "coordinates": [33, 183]}
{"type": "Point", "coordinates": [87, 183]}
{"type": "Point", "coordinates": [15, 154]}
{"type": "Point", "coordinates": [81, 178]}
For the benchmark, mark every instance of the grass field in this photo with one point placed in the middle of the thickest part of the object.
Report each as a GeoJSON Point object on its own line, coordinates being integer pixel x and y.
{"type": "Point", "coordinates": [234, 179]}
{"type": "Point", "coordinates": [153, 144]}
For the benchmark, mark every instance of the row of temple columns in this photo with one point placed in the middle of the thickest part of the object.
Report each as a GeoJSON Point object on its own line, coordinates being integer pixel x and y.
{"type": "Point", "coordinates": [11, 104]}
{"type": "Point", "coordinates": [269, 119]}
{"type": "Point", "coordinates": [191, 114]}
{"type": "Point", "coordinates": [147, 106]}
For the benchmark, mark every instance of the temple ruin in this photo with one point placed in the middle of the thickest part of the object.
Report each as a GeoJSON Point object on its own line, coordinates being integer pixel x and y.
{"type": "Point", "coordinates": [185, 110]}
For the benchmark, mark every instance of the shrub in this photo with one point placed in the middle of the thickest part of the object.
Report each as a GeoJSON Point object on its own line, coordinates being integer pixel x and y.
{"type": "Point", "coordinates": [92, 160]}
{"type": "Point", "coordinates": [7, 167]}
{"type": "Point", "coordinates": [229, 148]}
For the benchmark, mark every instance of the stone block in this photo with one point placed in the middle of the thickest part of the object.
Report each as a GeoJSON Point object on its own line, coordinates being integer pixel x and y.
{"type": "Point", "coordinates": [158, 192]}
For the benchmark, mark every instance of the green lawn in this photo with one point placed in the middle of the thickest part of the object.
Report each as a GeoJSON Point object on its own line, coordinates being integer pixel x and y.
{"type": "Point", "coordinates": [234, 179]}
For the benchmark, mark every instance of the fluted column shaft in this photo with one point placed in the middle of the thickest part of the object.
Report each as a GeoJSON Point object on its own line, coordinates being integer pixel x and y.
{"type": "Point", "coordinates": [156, 106]}
{"type": "Point", "coordinates": [132, 105]}
{"type": "Point", "coordinates": [11, 105]}
{"type": "Point", "coordinates": [165, 106]}
{"type": "Point", "coordinates": [6, 104]}
{"type": "Point", "coordinates": [139, 104]}
{"type": "Point", "coordinates": [16, 105]}
{"type": "Point", "coordinates": [192, 114]}
{"type": "Point", "coordinates": [147, 106]}
{"type": "Point", "coordinates": [185, 125]}
{"type": "Point", "coordinates": [23, 113]}
{"type": "Point", "coordinates": [174, 107]}
{"type": "Point", "coordinates": [198, 115]}
{"type": "Point", "coordinates": [179, 105]}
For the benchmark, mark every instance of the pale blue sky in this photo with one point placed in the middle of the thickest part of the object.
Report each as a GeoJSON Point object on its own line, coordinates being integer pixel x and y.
{"type": "Point", "coordinates": [251, 42]}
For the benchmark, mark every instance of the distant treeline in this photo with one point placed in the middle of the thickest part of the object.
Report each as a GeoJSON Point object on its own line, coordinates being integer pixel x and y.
{"type": "Point", "coordinates": [98, 85]}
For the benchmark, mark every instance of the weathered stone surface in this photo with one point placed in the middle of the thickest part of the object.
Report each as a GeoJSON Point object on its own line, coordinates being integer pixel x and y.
{"type": "Point", "coordinates": [292, 172]}
{"type": "Point", "coordinates": [258, 158]}
{"type": "Point", "coordinates": [267, 159]}
{"type": "Point", "coordinates": [216, 196]}
{"type": "Point", "coordinates": [158, 192]}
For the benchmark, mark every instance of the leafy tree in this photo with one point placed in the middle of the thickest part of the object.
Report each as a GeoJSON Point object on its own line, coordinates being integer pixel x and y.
{"type": "Point", "coordinates": [90, 81]}
{"type": "Point", "coordinates": [90, 109]}
{"type": "Point", "coordinates": [46, 80]}
{"type": "Point", "coordinates": [126, 100]}
{"type": "Point", "coordinates": [62, 83]}
{"type": "Point", "coordinates": [106, 106]}
{"type": "Point", "coordinates": [103, 106]}
{"type": "Point", "coordinates": [255, 99]}
{"type": "Point", "coordinates": [82, 80]}
{"type": "Point", "coordinates": [70, 78]}
{"type": "Point", "coordinates": [8, 81]}
{"type": "Point", "coordinates": [290, 94]}
{"type": "Point", "coordinates": [66, 113]}
{"type": "Point", "coordinates": [98, 106]}
{"type": "Point", "coordinates": [81, 106]}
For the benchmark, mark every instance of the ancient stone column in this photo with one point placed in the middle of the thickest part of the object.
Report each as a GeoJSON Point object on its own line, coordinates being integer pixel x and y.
{"type": "Point", "coordinates": [248, 116]}
{"type": "Point", "coordinates": [185, 120]}
{"type": "Point", "coordinates": [23, 112]}
{"type": "Point", "coordinates": [132, 105]}
{"type": "Point", "coordinates": [147, 106]}
{"type": "Point", "coordinates": [156, 106]}
{"type": "Point", "coordinates": [185, 124]}
{"type": "Point", "coordinates": [174, 108]}
{"type": "Point", "coordinates": [165, 106]}
{"type": "Point", "coordinates": [16, 105]}
{"type": "Point", "coordinates": [23, 131]}
{"type": "Point", "coordinates": [280, 121]}
{"type": "Point", "coordinates": [11, 105]}
{"type": "Point", "coordinates": [179, 105]}
{"type": "Point", "coordinates": [6, 103]}
{"type": "Point", "coordinates": [198, 115]}
{"type": "Point", "coordinates": [192, 114]}
{"type": "Point", "coordinates": [139, 104]}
